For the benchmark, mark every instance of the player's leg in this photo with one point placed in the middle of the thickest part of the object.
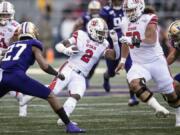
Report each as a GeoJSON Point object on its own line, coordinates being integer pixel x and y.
{"type": "Point", "coordinates": [133, 100]}
{"type": "Point", "coordinates": [137, 77]}
{"type": "Point", "coordinates": [110, 72]}
{"type": "Point", "coordinates": [34, 88]}
{"type": "Point", "coordinates": [76, 88]}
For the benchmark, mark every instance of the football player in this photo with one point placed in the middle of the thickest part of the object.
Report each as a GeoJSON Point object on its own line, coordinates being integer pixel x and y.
{"type": "Point", "coordinates": [89, 47]}
{"type": "Point", "coordinates": [94, 8]}
{"type": "Point", "coordinates": [174, 37]}
{"type": "Point", "coordinates": [9, 32]}
{"type": "Point", "coordinates": [19, 57]}
{"type": "Point", "coordinates": [113, 15]}
{"type": "Point", "coordinates": [141, 40]}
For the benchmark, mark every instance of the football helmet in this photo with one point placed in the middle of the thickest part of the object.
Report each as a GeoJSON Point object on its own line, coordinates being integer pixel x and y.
{"type": "Point", "coordinates": [174, 33]}
{"type": "Point", "coordinates": [97, 29]}
{"type": "Point", "coordinates": [94, 7]}
{"type": "Point", "coordinates": [133, 9]}
{"type": "Point", "coordinates": [6, 12]}
{"type": "Point", "coordinates": [28, 29]}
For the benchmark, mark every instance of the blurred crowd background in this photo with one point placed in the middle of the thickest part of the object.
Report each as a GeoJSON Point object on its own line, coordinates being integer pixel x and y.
{"type": "Point", "coordinates": [56, 18]}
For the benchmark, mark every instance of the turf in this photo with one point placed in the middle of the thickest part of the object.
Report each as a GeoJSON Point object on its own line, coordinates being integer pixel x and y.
{"type": "Point", "coordinates": [98, 112]}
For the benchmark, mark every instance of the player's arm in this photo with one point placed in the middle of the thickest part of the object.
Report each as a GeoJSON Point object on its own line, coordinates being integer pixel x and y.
{"type": "Point", "coordinates": [172, 55]}
{"type": "Point", "coordinates": [113, 54]}
{"type": "Point", "coordinates": [124, 55]}
{"type": "Point", "coordinates": [78, 24]}
{"type": "Point", "coordinates": [151, 31]}
{"type": "Point", "coordinates": [66, 47]}
{"type": "Point", "coordinates": [150, 34]}
{"type": "Point", "coordinates": [43, 64]}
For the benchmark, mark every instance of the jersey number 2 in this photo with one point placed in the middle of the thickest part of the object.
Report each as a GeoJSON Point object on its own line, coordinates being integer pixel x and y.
{"type": "Point", "coordinates": [86, 57]}
{"type": "Point", "coordinates": [8, 56]}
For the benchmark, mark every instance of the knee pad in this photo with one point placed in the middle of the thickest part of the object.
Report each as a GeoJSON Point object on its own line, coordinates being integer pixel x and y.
{"type": "Point", "coordinates": [144, 94]}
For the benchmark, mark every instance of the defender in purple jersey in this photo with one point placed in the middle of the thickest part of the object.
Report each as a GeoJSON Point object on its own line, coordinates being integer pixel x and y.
{"type": "Point", "coordinates": [113, 15]}
{"type": "Point", "coordinates": [19, 57]}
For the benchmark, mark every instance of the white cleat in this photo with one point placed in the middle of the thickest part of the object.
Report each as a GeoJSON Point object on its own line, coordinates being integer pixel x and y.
{"type": "Point", "coordinates": [177, 117]}
{"type": "Point", "coordinates": [61, 123]}
{"type": "Point", "coordinates": [25, 100]}
{"type": "Point", "coordinates": [162, 113]}
{"type": "Point", "coordinates": [23, 111]}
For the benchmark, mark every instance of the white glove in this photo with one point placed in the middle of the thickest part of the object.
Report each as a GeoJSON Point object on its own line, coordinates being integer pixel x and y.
{"type": "Point", "coordinates": [126, 40]}
{"type": "Point", "coordinates": [113, 35]}
{"type": "Point", "coordinates": [70, 51]}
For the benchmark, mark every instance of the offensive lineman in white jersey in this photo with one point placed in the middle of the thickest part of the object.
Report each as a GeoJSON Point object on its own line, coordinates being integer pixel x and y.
{"type": "Point", "coordinates": [89, 47]}
{"type": "Point", "coordinates": [8, 34]}
{"type": "Point", "coordinates": [147, 56]}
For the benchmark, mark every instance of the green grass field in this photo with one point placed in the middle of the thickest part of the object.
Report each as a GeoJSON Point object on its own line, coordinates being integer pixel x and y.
{"type": "Point", "coordinates": [101, 114]}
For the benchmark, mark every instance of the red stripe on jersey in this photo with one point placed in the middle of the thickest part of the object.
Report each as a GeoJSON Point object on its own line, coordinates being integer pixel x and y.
{"type": "Point", "coordinates": [154, 20]}
{"type": "Point", "coordinates": [75, 35]}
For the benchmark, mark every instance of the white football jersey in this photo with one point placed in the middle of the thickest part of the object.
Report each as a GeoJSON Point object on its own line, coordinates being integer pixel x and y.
{"type": "Point", "coordinates": [7, 32]}
{"type": "Point", "coordinates": [90, 52]}
{"type": "Point", "coordinates": [146, 53]}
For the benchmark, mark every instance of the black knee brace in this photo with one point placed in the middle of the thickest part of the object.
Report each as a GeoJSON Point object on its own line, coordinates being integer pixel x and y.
{"type": "Point", "coordinates": [174, 103]}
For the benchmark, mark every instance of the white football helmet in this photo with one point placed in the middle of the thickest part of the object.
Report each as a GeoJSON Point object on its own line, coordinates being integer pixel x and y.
{"type": "Point", "coordinates": [6, 12]}
{"type": "Point", "coordinates": [97, 29]}
{"type": "Point", "coordinates": [133, 9]}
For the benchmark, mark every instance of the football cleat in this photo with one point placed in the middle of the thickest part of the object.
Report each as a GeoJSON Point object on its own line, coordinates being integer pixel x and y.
{"type": "Point", "coordinates": [61, 123]}
{"type": "Point", "coordinates": [23, 111]}
{"type": "Point", "coordinates": [71, 128]}
{"type": "Point", "coordinates": [162, 113]}
{"type": "Point", "coordinates": [133, 102]}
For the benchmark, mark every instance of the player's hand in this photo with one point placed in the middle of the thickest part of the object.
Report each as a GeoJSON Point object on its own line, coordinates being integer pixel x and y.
{"type": "Point", "coordinates": [71, 50]}
{"type": "Point", "coordinates": [136, 42]}
{"type": "Point", "coordinates": [61, 76]}
{"type": "Point", "coordinates": [126, 40]}
{"type": "Point", "coordinates": [119, 67]}
{"type": "Point", "coordinates": [113, 35]}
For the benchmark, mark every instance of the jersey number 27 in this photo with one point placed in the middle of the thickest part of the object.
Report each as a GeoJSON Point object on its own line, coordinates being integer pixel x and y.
{"type": "Point", "coordinates": [8, 56]}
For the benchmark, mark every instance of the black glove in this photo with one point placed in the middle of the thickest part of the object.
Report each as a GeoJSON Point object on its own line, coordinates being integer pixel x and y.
{"type": "Point", "coordinates": [61, 76]}
{"type": "Point", "coordinates": [136, 42]}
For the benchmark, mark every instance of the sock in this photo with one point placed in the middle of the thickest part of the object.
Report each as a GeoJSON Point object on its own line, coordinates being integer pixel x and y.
{"type": "Point", "coordinates": [154, 103]}
{"type": "Point", "coordinates": [70, 105]}
{"type": "Point", "coordinates": [62, 114]}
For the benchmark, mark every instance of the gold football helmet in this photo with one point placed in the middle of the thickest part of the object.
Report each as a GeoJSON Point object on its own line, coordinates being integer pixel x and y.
{"type": "Point", "coordinates": [174, 31]}
{"type": "Point", "coordinates": [94, 7]}
{"type": "Point", "coordinates": [28, 29]}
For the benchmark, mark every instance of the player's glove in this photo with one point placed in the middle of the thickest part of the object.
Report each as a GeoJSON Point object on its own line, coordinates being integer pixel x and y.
{"type": "Point", "coordinates": [136, 42]}
{"type": "Point", "coordinates": [130, 41]}
{"type": "Point", "coordinates": [126, 40]}
{"type": "Point", "coordinates": [60, 76]}
{"type": "Point", "coordinates": [113, 35]}
{"type": "Point", "coordinates": [70, 51]}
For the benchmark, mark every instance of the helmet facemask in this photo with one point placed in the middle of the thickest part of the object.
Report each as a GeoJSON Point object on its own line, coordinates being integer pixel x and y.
{"type": "Point", "coordinates": [97, 29]}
